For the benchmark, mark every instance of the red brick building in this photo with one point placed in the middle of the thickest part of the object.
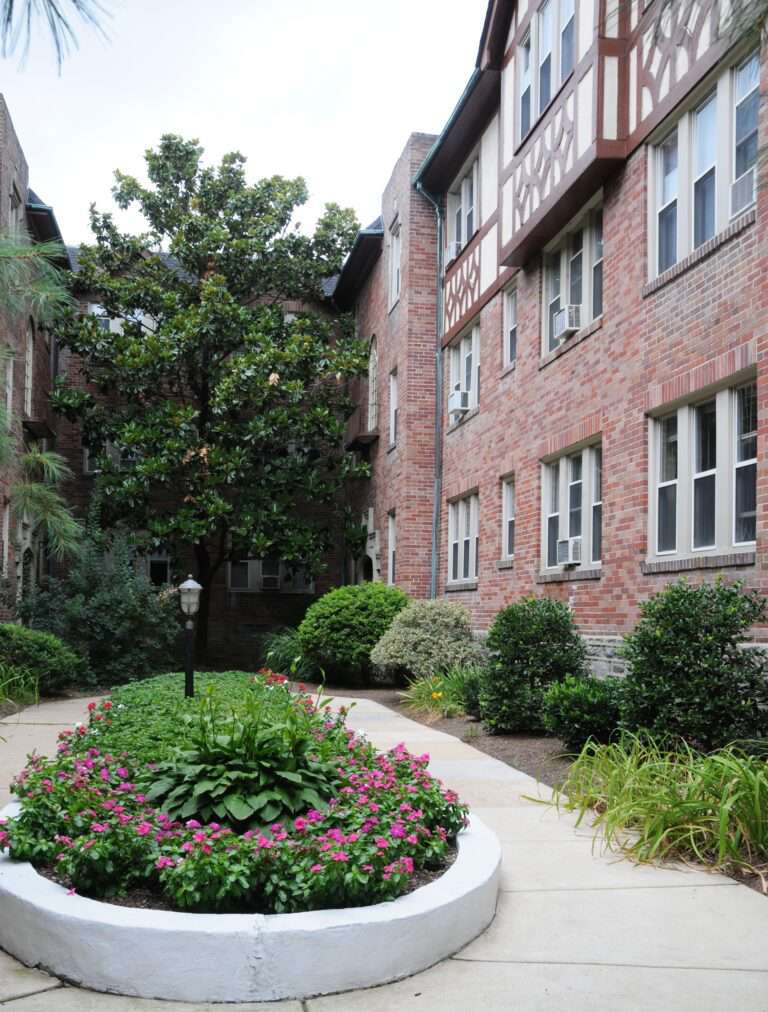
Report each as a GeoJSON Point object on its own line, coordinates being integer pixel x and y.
{"type": "Point", "coordinates": [601, 333]}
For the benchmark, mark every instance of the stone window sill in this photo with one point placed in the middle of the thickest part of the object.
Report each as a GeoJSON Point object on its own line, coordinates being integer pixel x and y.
{"type": "Point", "coordinates": [569, 575]}
{"type": "Point", "coordinates": [508, 369]}
{"type": "Point", "coordinates": [700, 562]}
{"type": "Point", "coordinates": [459, 585]}
{"type": "Point", "coordinates": [737, 225]}
{"type": "Point", "coordinates": [505, 564]}
{"type": "Point", "coordinates": [464, 419]}
{"type": "Point", "coordinates": [571, 342]}
{"type": "Point", "coordinates": [391, 447]}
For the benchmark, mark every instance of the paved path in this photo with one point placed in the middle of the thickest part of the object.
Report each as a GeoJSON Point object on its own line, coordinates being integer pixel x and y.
{"type": "Point", "coordinates": [575, 931]}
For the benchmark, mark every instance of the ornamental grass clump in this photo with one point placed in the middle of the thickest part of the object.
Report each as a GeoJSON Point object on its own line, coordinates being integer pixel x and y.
{"type": "Point", "coordinates": [444, 695]}
{"type": "Point", "coordinates": [87, 818]}
{"type": "Point", "coordinates": [656, 803]}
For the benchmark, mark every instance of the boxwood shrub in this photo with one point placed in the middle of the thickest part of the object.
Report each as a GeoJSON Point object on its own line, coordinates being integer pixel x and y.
{"type": "Point", "coordinates": [340, 630]}
{"type": "Point", "coordinates": [533, 643]}
{"type": "Point", "coordinates": [688, 675]}
{"type": "Point", "coordinates": [578, 709]}
{"type": "Point", "coordinates": [43, 656]}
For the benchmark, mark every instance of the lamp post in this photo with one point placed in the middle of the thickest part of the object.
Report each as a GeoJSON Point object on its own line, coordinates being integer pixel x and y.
{"type": "Point", "coordinates": [189, 598]}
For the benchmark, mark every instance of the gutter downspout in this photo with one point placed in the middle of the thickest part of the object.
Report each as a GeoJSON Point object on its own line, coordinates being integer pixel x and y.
{"type": "Point", "coordinates": [437, 493]}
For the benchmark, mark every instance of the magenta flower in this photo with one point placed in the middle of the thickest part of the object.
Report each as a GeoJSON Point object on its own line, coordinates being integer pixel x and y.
{"type": "Point", "coordinates": [98, 827]}
{"type": "Point", "coordinates": [143, 828]}
{"type": "Point", "coordinates": [164, 862]}
{"type": "Point", "coordinates": [339, 855]}
{"type": "Point", "coordinates": [316, 868]}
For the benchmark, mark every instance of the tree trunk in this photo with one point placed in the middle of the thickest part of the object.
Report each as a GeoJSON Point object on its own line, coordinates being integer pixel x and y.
{"type": "Point", "coordinates": [204, 577]}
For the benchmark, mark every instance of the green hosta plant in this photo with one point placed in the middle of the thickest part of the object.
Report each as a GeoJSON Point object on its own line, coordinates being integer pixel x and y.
{"type": "Point", "coordinates": [245, 770]}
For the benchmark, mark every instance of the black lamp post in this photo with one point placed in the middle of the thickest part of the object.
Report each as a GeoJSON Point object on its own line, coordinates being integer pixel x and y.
{"type": "Point", "coordinates": [189, 598]}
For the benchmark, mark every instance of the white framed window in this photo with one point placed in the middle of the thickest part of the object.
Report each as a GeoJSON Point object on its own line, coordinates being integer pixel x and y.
{"type": "Point", "coordinates": [5, 531]}
{"type": "Point", "coordinates": [703, 496]}
{"type": "Point", "coordinates": [391, 548]}
{"type": "Point", "coordinates": [159, 568]}
{"type": "Point", "coordinates": [269, 576]}
{"type": "Point", "coordinates": [573, 280]}
{"type": "Point", "coordinates": [122, 459]}
{"type": "Point", "coordinates": [464, 366]}
{"type": "Point", "coordinates": [394, 263]}
{"type": "Point", "coordinates": [7, 363]}
{"type": "Point", "coordinates": [29, 366]}
{"type": "Point", "coordinates": [393, 407]}
{"type": "Point", "coordinates": [463, 538]}
{"type": "Point", "coordinates": [550, 48]}
{"type": "Point", "coordinates": [508, 518]}
{"type": "Point", "coordinates": [373, 387]}
{"type": "Point", "coordinates": [94, 309]}
{"type": "Point", "coordinates": [510, 326]}
{"type": "Point", "coordinates": [702, 169]}
{"type": "Point", "coordinates": [572, 509]}
{"type": "Point", "coordinates": [463, 208]}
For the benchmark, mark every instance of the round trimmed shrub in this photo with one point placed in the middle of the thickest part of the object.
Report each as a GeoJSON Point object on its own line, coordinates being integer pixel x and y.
{"type": "Point", "coordinates": [533, 643]}
{"type": "Point", "coordinates": [688, 676]}
{"type": "Point", "coordinates": [340, 630]}
{"type": "Point", "coordinates": [578, 709]}
{"type": "Point", "coordinates": [427, 638]}
{"type": "Point", "coordinates": [42, 655]}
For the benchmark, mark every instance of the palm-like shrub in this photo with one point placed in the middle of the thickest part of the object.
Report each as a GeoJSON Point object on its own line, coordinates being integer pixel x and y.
{"type": "Point", "coordinates": [427, 638]}
{"type": "Point", "coordinates": [688, 675]}
{"type": "Point", "coordinates": [533, 643]}
{"type": "Point", "coordinates": [340, 630]}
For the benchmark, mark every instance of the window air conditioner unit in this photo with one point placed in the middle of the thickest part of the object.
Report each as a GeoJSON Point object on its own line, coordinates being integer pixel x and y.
{"type": "Point", "coordinates": [569, 552]}
{"type": "Point", "coordinates": [454, 248]}
{"type": "Point", "coordinates": [743, 192]}
{"type": "Point", "coordinates": [567, 321]}
{"type": "Point", "coordinates": [270, 582]}
{"type": "Point", "coordinates": [458, 402]}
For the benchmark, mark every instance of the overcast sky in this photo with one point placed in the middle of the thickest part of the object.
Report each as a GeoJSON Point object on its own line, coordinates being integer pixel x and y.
{"type": "Point", "coordinates": [328, 90]}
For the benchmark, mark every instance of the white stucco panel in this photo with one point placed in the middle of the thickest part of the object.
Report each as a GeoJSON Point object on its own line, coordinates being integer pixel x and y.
{"type": "Point", "coordinates": [584, 128]}
{"type": "Point", "coordinates": [489, 258]}
{"type": "Point", "coordinates": [586, 22]}
{"type": "Point", "coordinates": [508, 111]}
{"type": "Point", "coordinates": [632, 89]}
{"type": "Point", "coordinates": [507, 205]}
{"type": "Point", "coordinates": [612, 19]}
{"type": "Point", "coordinates": [489, 167]}
{"type": "Point", "coordinates": [611, 98]}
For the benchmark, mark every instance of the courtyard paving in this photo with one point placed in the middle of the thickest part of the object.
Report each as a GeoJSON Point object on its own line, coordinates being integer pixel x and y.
{"type": "Point", "coordinates": [575, 929]}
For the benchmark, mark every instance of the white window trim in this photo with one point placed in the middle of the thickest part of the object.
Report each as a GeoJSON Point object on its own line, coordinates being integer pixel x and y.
{"type": "Point", "coordinates": [510, 324]}
{"type": "Point", "coordinates": [461, 206]}
{"type": "Point", "coordinates": [464, 532]}
{"type": "Point", "coordinates": [508, 513]}
{"type": "Point", "coordinates": [391, 549]}
{"type": "Point", "coordinates": [395, 263]}
{"type": "Point", "coordinates": [468, 344]}
{"type": "Point", "coordinates": [722, 85]}
{"type": "Point", "coordinates": [725, 483]}
{"type": "Point", "coordinates": [558, 469]}
{"type": "Point", "coordinates": [373, 382]}
{"type": "Point", "coordinates": [394, 406]}
{"type": "Point", "coordinates": [29, 370]}
{"type": "Point", "coordinates": [6, 535]}
{"type": "Point", "coordinates": [560, 251]}
{"type": "Point", "coordinates": [556, 78]}
{"type": "Point", "coordinates": [9, 377]}
{"type": "Point", "coordinates": [257, 577]}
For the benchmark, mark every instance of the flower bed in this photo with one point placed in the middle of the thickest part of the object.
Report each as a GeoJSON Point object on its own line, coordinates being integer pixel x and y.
{"type": "Point", "coordinates": [99, 814]}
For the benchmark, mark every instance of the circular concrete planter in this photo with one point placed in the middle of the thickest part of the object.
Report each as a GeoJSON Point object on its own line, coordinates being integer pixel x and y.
{"type": "Point", "coordinates": [247, 957]}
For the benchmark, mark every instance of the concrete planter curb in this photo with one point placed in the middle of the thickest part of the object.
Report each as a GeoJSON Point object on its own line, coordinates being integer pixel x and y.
{"type": "Point", "coordinates": [247, 957]}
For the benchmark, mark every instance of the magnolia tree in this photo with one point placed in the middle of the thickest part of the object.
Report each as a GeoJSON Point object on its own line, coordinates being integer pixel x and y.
{"type": "Point", "coordinates": [217, 415]}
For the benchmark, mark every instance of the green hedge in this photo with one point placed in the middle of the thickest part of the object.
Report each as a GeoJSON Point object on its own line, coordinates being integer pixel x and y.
{"type": "Point", "coordinates": [42, 655]}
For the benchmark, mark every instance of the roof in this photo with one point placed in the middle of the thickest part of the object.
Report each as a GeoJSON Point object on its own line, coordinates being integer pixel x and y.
{"type": "Point", "coordinates": [365, 251]}
{"type": "Point", "coordinates": [476, 105]}
{"type": "Point", "coordinates": [170, 262]}
{"type": "Point", "coordinates": [41, 219]}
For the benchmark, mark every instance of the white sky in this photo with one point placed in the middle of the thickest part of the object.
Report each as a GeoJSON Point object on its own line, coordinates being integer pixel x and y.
{"type": "Point", "coordinates": [328, 90]}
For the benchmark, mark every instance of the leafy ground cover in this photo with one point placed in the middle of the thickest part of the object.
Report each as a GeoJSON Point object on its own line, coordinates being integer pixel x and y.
{"type": "Point", "coordinates": [360, 829]}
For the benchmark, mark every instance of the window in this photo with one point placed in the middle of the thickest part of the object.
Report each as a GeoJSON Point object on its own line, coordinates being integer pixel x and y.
{"type": "Point", "coordinates": [465, 367]}
{"type": "Point", "coordinates": [463, 205]}
{"type": "Point", "coordinates": [394, 263]}
{"type": "Point", "coordinates": [393, 407]}
{"type": "Point", "coordinates": [102, 319]}
{"type": "Point", "coordinates": [122, 459]}
{"type": "Point", "coordinates": [15, 210]}
{"type": "Point", "coordinates": [572, 509]}
{"type": "Point", "coordinates": [373, 380]}
{"type": "Point", "coordinates": [391, 549]}
{"type": "Point", "coordinates": [549, 47]}
{"type": "Point", "coordinates": [29, 364]}
{"type": "Point", "coordinates": [269, 575]}
{"type": "Point", "coordinates": [701, 179]}
{"type": "Point", "coordinates": [463, 538]}
{"type": "Point", "coordinates": [8, 397]}
{"type": "Point", "coordinates": [573, 280]}
{"type": "Point", "coordinates": [510, 327]}
{"type": "Point", "coordinates": [508, 519]}
{"type": "Point", "coordinates": [159, 568]}
{"type": "Point", "coordinates": [704, 469]}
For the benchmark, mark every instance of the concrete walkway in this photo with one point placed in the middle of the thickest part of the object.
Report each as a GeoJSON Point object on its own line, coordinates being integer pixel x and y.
{"type": "Point", "coordinates": [574, 930]}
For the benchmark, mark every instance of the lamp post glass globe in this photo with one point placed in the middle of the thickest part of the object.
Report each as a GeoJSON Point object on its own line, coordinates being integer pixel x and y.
{"type": "Point", "coordinates": [189, 596]}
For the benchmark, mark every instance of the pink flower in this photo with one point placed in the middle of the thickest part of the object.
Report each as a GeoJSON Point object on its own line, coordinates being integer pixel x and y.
{"type": "Point", "coordinates": [397, 830]}
{"type": "Point", "coordinates": [412, 838]}
{"type": "Point", "coordinates": [339, 855]}
{"type": "Point", "coordinates": [193, 824]}
{"type": "Point", "coordinates": [381, 843]}
{"type": "Point", "coordinates": [122, 772]}
{"type": "Point", "coordinates": [316, 868]}
{"type": "Point", "coordinates": [98, 827]}
{"type": "Point", "coordinates": [300, 824]}
{"type": "Point", "coordinates": [164, 862]}
{"type": "Point", "coordinates": [143, 828]}
{"type": "Point", "coordinates": [104, 774]}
